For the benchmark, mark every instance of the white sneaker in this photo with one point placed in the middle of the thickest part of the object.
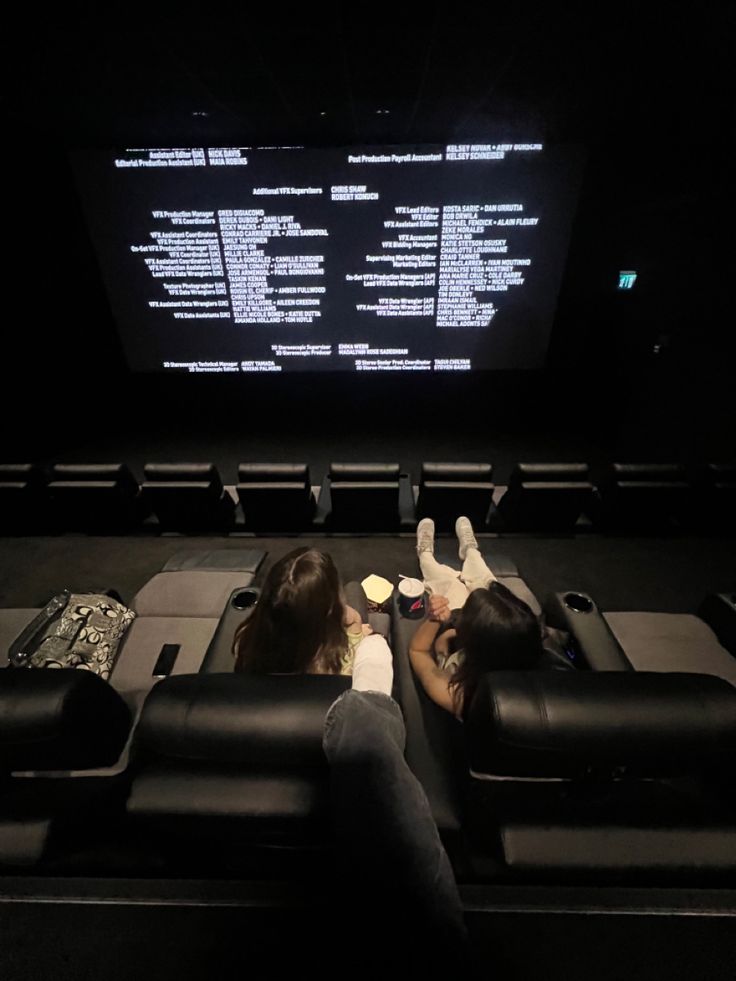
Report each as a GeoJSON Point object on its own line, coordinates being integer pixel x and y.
{"type": "Point", "coordinates": [425, 536]}
{"type": "Point", "coordinates": [465, 536]}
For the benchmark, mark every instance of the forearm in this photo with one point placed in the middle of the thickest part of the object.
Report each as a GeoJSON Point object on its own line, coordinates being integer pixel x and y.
{"type": "Point", "coordinates": [432, 678]}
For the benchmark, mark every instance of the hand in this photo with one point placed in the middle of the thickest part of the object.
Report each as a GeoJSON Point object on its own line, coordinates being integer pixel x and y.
{"type": "Point", "coordinates": [439, 608]}
{"type": "Point", "coordinates": [367, 629]}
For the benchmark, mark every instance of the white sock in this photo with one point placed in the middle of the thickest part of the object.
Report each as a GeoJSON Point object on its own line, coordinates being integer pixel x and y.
{"type": "Point", "coordinates": [373, 667]}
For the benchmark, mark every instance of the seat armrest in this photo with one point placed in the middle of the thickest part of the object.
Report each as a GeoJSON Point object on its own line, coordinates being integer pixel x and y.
{"type": "Point", "coordinates": [219, 658]}
{"type": "Point", "coordinates": [719, 612]}
{"type": "Point", "coordinates": [595, 644]}
{"type": "Point", "coordinates": [407, 508]}
{"type": "Point", "coordinates": [381, 624]}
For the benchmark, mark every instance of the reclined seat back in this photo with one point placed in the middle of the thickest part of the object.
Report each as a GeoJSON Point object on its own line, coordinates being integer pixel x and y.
{"type": "Point", "coordinates": [447, 490]}
{"type": "Point", "coordinates": [188, 497]}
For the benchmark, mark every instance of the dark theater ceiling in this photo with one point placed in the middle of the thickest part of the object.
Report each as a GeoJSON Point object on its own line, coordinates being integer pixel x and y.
{"type": "Point", "coordinates": [369, 72]}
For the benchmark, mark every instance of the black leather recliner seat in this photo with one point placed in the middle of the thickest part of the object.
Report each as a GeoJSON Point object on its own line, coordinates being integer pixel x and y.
{"type": "Point", "coordinates": [580, 736]}
{"type": "Point", "coordinates": [366, 497]}
{"type": "Point", "coordinates": [545, 497]}
{"type": "Point", "coordinates": [95, 497]}
{"type": "Point", "coordinates": [23, 499]}
{"type": "Point", "coordinates": [55, 728]}
{"type": "Point", "coordinates": [276, 496]}
{"type": "Point", "coordinates": [447, 490]}
{"type": "Point", "coordinates": [714, 498]}
{"type": "Point", "coordinates": [76, 726]}
{"type": "Point", "coordinates": [643, 497]}
{"type": "Point", "coordinates": [602, 777]}
{"type": "Point", "coordinates": [230, 772]}
{"type": "Point", "coordinates": [188, 497]}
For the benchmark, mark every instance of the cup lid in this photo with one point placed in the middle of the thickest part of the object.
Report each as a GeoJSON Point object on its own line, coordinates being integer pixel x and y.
{"type": "Point", "coordinates": [411, 587]}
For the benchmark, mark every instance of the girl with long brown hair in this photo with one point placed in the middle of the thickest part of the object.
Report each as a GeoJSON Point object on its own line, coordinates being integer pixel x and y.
{"type": "Point", "coordinates": [301, 623]}
{"type": "Point", "coordinates": [475, 624]}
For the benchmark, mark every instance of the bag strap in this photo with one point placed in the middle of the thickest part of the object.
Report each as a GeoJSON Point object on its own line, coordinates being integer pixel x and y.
{"type": "Point", "coordinates": [19, 652]}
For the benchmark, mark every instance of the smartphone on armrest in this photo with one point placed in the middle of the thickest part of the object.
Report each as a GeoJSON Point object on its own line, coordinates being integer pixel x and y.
{"type": "Point", "coordinates": [166, 660]}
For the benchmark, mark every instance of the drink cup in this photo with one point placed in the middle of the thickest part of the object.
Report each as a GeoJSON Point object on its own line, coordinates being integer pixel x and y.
{"type": "Point", "coordinates": [411, 599]}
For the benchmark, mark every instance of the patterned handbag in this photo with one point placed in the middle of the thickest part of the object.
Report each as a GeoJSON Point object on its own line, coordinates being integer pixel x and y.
{"type": "Point", "coordinates": [74, 630]}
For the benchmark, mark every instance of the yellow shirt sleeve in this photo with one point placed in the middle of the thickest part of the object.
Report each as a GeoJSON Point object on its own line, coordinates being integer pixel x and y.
{"type": "Point", "coordinates": [347, 661]}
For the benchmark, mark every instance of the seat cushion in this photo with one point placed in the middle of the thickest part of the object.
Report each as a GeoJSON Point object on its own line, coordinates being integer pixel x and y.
{"type": "Point", "coordinates": [23, 841]}
{"type": "Point", "coordinates": [545, 847]}
{"type": "Point", "coordinates": [216, 560]}
{"type": "Point", "coordinates": [671, 642]}
{"type": "Point", "coordinates": [196, 593]}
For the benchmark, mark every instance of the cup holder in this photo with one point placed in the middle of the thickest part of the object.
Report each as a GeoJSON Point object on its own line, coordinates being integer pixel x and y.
{"type": "Point", "coordinates": [578, 603]}
{"type": "Point", "coordinates": [244, 599]}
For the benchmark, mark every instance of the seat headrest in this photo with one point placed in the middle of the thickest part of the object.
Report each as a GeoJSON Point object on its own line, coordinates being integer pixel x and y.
{"type": "Point", "coordinates": [482, 472]}
{"type": "Point", "coordinates": [560, 723]}
{"type": "Point", "coordinates": [20, 473]}
{"type": "Point", "coordinates": [721, 472]}
{"type": "Point", "coordinates": [181, 489]}
{"type": "Point", "coordinates": [118, 473]}
{"type": "Point", "coordinates": [566, 487]}
{"type": "Point", "coordinates": [364, 471]}
{"type": "Point", "coordinates": [649, 471]}
{"type": "Point", "coordinates": [249, 473]}
{"type": "Point", "coordinates": [57, 486]}
{"type": "Point", "coordinates": [182, 471]}
{"type": "Point", "coordinates": [271, 721]}
{"type": "Point", "coordinates": [549, 472]}
{"type": "Point", "coordinates": [66, 719]}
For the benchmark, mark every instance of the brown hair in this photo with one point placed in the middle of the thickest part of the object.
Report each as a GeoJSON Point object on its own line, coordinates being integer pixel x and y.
{"type": "Point", "coordinates": [297, 624]}
{"type": "Point", "coordinates": [497, 631]}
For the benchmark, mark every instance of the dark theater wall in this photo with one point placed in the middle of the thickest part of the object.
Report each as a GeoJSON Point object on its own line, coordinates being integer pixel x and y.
{"type": "Point", "coordinates": [640, 373]}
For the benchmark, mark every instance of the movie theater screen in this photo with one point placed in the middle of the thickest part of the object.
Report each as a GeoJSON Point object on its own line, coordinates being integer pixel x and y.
{"type": "Point", "coordinates": [244, 260]}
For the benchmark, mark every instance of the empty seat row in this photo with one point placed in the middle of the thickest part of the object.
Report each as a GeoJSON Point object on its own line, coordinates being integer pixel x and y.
{"type": "Point", "coordinates": [184, 497]}
{"type": "Point", "coordinates": [368, 497]}
{"type": "Point", "coordinates": [190, 497]}
{"type": "Point", "coordinates": [539, 495]}
{"type": "Point", "coordinates": [631, 497]}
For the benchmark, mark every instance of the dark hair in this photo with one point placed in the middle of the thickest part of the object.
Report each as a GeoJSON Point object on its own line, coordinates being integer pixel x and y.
{"type": "Point", "coordinates": [297, 624]}
{"type": "Point", "coordinates": [496, 631]}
